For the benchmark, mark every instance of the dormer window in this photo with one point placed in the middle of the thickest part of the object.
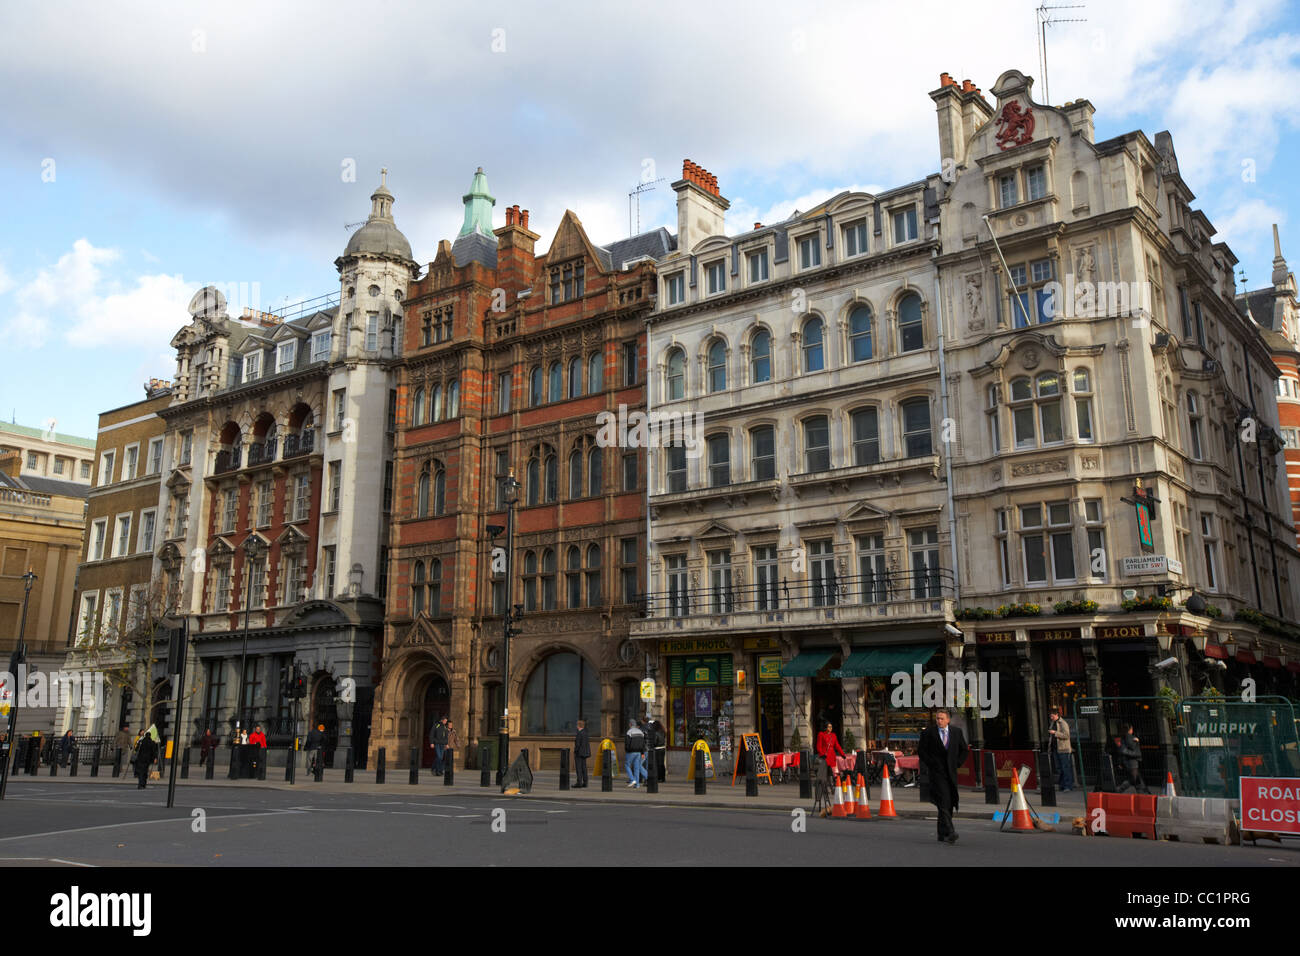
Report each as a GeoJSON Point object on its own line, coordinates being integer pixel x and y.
{"type": "Point", "coordinates": [1008, 194]}
{"type": "Point", "coordinates": [567, 282]}
{"type": "Point", "coordinates": [757, 266]}
{"type": "Point", "coordinates": [1036, 182]}
{"type": "Point", "coordinates": [320, 346]}
{"type": "Point", "coordinates": [284, 356]}
{"type": "Point", "coordinates": [810, 253]}
{"type": "Point", "coordinates": [675, 288]}
{"type": "Point", "coordinates": [716, 276]}
{"type": "Point", "coordinates": [855, 238]}
{"type": "Point", "coordinates": [905, 225]}
{"type": "Point", "coordinates": [252, 366]}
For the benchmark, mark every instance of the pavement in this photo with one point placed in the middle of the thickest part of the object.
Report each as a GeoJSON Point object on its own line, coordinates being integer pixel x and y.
{"type": "Point", "coordinates": [720, 795]}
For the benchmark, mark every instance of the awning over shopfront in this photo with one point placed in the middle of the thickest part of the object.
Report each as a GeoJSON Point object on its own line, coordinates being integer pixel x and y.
{"type": "Point", "coordinates": [1245, 657]}
{"type": "Point", "coordinates": [1272, 663]}
{"type": "Point", "coordinates": [806, 664]}
{"type": "Point", "coordinates": [884, 661]}
{"type": "Point", "coordinates": [1216, 652]}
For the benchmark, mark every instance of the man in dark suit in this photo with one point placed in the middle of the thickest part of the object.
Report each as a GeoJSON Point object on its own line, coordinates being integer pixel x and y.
{"type": "Point", "coordinates": [942, 750]}
{"type": "Point", "coordinates": [581, 751]}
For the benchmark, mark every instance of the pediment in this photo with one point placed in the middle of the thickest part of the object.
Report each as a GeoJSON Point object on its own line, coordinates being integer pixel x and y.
{"type": "Point", "coordinates": [865, 511]}
{"type": "Point", "coordinates": [715, 529]}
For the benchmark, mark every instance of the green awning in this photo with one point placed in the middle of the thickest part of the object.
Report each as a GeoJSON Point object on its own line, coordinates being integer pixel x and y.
{"type": "Point", "coordinates": [884, 661]}
{"type": "Point", "coordinates": [806, 664]}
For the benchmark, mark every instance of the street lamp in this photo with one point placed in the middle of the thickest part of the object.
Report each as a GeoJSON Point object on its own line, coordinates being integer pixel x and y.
{"type": "Point", "coordinates": [513, 613]}
{"type": "Point", "coordinates": [252, 548]}
{"type": "Point", "coordinates": [16, 661]}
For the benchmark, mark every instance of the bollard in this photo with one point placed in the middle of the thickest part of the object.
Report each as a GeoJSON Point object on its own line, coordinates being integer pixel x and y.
{"type": "Point", "coordinates": [185, 764]}
{"type": "Point", "coordinates": [211, 769]}
{"type": "Point", "coordinates": [652, 771]}
{"type": "Point", "coordinates": [606, 772]}
{"type": "Point", "coordinates": [923, 782]}
{"type": "Point", "coordinates": [700, 787]}
{"type": "Point", "coordinates": [381, 760]}
{"type": "Point", "coordinates": [1046, 780]}
{"type": "Point", "coordinates": [349, 766]}
{"type": "Point", "coordinates": [415, 766]}
{"type": "Point", "coordinates": [991, 779]}
{"type": "Point", "coordinates": [290, 761]}
{"type": "Point", "coordinates": [320, 764]}
{"type": "Point", "coordinates": [94, 763]}
{"type": "Point", "coordinates": [449, 768]}
{"type": "Point", "coordinates": [564, 769]}
{"type": "Point", "coordinates": [234, 764]}
{"type": "Point", "coordinates": [751, 773]}
{"type": "Point", "coordinates": [73, 758]}
{"type": "Point", "coordinates": [262, 754]}
{"type": "Point", "coordinates": [20, 756]}
{"type": "Point", "coordinates": [485, 772]}
{"type": "Point", "coordinates": [805, 779]}
{"type": "Point", "coordinates": [54, 765]}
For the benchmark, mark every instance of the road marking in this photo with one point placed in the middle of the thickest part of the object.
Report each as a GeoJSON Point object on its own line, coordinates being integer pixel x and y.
{"type": "Point", "coordinates": [415, 813]}
{"type": "Point", "coordinates": [55, 859]}
{"type": "Point", "coordinates": [333, 810]}
{"type": "Point", "coordinates": [137, 823]}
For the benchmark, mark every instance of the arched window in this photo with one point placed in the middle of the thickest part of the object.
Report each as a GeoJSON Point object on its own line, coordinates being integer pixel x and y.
{"type": "Point", "coordinates": [595, 373]}
{"type": "Point", "coordinates": [562, 688]}
{"type": "Point", "coordinates": [552, 477]}
{"type": "Point", "coordinates": [761, 357]}
{"type": "Point", "coordinates": [573, 579]}
{"type": "Point", "coordinates": [1048, 386]}
{"type": "Point", "coordinates": [593, 575]}
{"type": "Point", "coordinates": [575, 473]}
{"type": "Point", "coordinates": [533, 480]}
{"type": "Point", "coordinates": [440, 491]}
{"type": "Point", "coordinates": [417, 408]}
{"type": "Point", "coordinates": [548, 579]}
{"type": "Point", "coordinates": [595, 471]}
{"type": "Point", "coordinates": [417, 589]}
{"type": "Point", "coordinates": [717, 366]}
{"type": "Point", "coordinates": [436, 404]}
{"type": "Point", "coordinates": [814, 359]}
{"type": "Point", "coordinates": [1082, 389]}
{"type": "Point", "coordinates": [453, 399]}
{"type": "Point", "coordinates": [435, 587]}
{"type": "Point", "coordinates": [911, 336]}
{"type": "Point", "coordinates": [535, 386]}
{"type": "Point", "coordinates": [575, 377]}
{"type": "Point", "coordinates": [860, 333]}
{"type": "Point", "coordinates": [422, 495]}
{"type": "Point", "coordinates": [676, 374]}
{"type": "Point", "coordinates": [555, 391]}
{"type": "Point", "coordinates": [530, 580]}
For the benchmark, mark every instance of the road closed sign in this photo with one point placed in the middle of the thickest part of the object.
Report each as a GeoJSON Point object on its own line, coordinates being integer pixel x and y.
{"type": "Point", "coordinates": [1271, 804]}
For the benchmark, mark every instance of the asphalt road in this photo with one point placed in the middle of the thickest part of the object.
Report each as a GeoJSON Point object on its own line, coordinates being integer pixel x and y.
{"type": "Point", "coordinates": [116, 825]}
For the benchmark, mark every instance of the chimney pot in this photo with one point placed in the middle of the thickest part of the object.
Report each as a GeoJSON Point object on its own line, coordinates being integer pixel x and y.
{"type": "Point", "coordinates": [524, 219]}
{"type": "Point", "coordinates": [510, 215]}
{"type": "Point", "coordinates": [946, 80]}
{"type": "Point", "coordinates": [758, 225]}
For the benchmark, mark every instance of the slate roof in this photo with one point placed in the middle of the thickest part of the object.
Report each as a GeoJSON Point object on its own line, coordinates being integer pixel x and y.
{"type": "Point", "coordinates": [45, 486]}
{"type": "Point", "coordinates": [656, 244]}
{"type": "Point", "coordinates": [474, 247]}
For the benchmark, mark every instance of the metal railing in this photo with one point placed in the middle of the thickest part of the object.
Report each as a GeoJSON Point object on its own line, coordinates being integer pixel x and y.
{"type": "Point", "coordinates": [262, 452]}
{"type": "Point", "coordinates": [832, 592]}
{"type": "Point", "coordinates": [227, 460]}
{"type": "Point", "coordinates": [300, 444]}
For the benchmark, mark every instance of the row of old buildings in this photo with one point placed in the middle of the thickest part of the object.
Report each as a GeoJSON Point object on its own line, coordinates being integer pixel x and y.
{"type": "Point", "coordinates": [899, 430]}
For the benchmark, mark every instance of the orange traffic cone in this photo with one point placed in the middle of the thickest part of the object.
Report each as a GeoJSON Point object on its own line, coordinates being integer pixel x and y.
{"type": "Point", "coordinates": [1169, 784]}
{"type": "Point", "coordinates": [886, 811]}
{"type": "Point", "coordinates": [837, 808]}
{"type": "Point", "coordinates": [864, 805]}
{"type": "Point", "coordinates": [1020, 822]}
{"type": "Point", "coordinates": [850, 798]}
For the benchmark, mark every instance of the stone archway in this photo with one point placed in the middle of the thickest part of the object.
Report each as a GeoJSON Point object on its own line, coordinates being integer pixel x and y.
{"type": "Point", "coordinates": [435, 705]}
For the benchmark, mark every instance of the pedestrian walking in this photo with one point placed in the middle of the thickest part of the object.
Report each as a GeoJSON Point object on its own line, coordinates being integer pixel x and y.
{"type": "Point", "coordinates": [1130, 751]}
{"type": "Point", "coordinates": [453, 744]}
{"type": "Point", "coordinates": [207, 744]}
{"type": "Point", "coordinates": [942, 749]}
{"type": "Point", "coordinates": [1061, 750]}
{"type": "Point", "coordinates": [315, 741]}
{"type": "Point", "coordinates": [828, 745]}
{"type": "Point", "coordinates": [581, 751]}
{"type": "Point", "coordinates": [146, 752]}
{"type": "Point", "coordinates": [66, 743]}
{"type": "Point", "coordinates": [660, 737]}
{"type": "Point", "coordinates": [257, 739]}
{"type": "Point", "coordinates": [634, 754]}
{"type": "Point", "coordinates": [438, 741]}
{"type": "Point", "coordinates": [123, 740]}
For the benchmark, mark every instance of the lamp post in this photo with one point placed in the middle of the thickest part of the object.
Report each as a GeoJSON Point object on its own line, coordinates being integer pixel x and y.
{"type": "Point", "coordinates": [252, 547]}
{"type": "Point", "coordinates": [512, 614]}
{"type": "Point", "coordinates": [16, 661]}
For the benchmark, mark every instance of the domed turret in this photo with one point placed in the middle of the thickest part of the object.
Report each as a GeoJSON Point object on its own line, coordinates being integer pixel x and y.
{"type": "Point", "coordinates": [380, 235]}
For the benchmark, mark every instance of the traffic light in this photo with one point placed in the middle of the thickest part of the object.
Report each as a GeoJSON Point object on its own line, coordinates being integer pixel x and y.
{"type": "Point", "coordinates": [286, 683]}
{"type": "Point", "coordinates": [299, 681]}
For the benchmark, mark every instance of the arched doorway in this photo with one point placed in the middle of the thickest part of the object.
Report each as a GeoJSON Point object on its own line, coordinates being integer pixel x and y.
{"type": "Point", "coordinates": [437, 705]}
{"type": "Point", "coordinates": [324, 711]}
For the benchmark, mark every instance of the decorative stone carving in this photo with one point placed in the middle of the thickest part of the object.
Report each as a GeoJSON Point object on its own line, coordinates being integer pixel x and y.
{"type": "Point", "coordinates": [1085, 265]}
{"type": "Point", "coordinates": [1051, 466]}
{"type": "Point", "coordinates": [1029, 357]}
{"type": "Point", "coordinates": [974, 302]}
{"type": "Point", "coordinates": [1090, 463]}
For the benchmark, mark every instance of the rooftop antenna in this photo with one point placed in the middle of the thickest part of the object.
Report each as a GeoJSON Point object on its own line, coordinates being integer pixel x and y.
{"type": "Point", "coordinates": [636, 192]}
{"type": "Point", "coordinates": [1046, 19]}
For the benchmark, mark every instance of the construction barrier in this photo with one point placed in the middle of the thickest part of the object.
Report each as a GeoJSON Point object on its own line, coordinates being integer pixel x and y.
{"type": "Point", "coordinates": [1123, 814]}
{"type": "Point", "coordinates": [1195, 819]}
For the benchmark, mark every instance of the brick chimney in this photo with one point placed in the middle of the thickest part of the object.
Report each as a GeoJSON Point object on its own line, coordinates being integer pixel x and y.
{"type": "Point", "coordinates": [1079, 113]}
{"type": "Point", "coordinates": [516, 256]}
{"type": "Point", "coordinates": [947, 100]}
{"type": "Point", "coordinates": [701, 210]}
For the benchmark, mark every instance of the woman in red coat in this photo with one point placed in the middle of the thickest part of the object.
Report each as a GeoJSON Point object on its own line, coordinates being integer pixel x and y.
{"type": "Point", "coordinates": [828, 745]}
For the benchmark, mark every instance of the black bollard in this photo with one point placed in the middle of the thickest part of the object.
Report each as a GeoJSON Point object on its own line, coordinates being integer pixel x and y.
{"type": "Point", "coordinates": [349, 766]}
{"type": "Point", "coordinates": [1046, 780]}
{"type": "Point", "coordinates": [291, 761]}
{"type": "Point", "coordinates": [700, 786]}
{"type": "Point", "coordinates": [94, 762]}
{"type": "Point", "coordinates": [923, 782]}
{"type": "Point", "coordinates": [991, 779]}
{"type": "Point", "coordinates": [751, 773]}
{"type": "Point", "coordinates": [72, 765]}
{"type": "Point", "coordinates": [415, 766]}
{"type": "Point", "coordinates": [564, 769]}
{"type": "Point", "coordinates": [485, 771]}
{"type": "Point", "coordinates": [805, 778]}
{"type": "Point", "coordinates": [262, 754]}
{"type": "Point", "coordinates": [449, 769]}
{"type": "Point", "coordinates": [54, 764]}
{"type": "Point", "coordinates": [117, 762]}
{"type": "Point", "coordinates": [234, 763]}
{"type": "Point", "coordinates": [185, 763]}
{"type": "Point", "coordinates": [211, 770]}
{"type": "Point", "coordinates": [320, 764]}
{"type": "Point", "coordinates": [652, 770]}
{"type": "Point", "coordinates": [381, 760]}
{"type": "Point", "coordinates": [606, 772]}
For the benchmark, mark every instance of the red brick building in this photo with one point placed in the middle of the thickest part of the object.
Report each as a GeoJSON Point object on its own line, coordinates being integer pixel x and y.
{"type": "Point", "coordinates": [508, 358]}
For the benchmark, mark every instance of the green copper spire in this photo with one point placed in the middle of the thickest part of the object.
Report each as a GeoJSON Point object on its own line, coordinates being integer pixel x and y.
{"type": "Point", "coordinates": [478, 207]}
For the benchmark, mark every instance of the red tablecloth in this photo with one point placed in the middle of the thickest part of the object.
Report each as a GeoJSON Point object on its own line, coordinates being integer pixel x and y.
{"type": "Point", "coordinates": [845, 764]}
{"type": "Point", "coordinates": [908, 763]}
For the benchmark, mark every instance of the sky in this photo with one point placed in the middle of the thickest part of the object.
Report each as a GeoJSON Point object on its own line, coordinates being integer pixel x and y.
{"type": "Point", "coordinates": [148, 149]}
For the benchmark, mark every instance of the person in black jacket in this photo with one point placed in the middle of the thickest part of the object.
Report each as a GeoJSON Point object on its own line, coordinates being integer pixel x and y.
{"type": "Point", "coordinates": [146, 752]}
{"type": "Point", "coordinates": [943, 750]}
{"type": "Point", "coordinates": [581, 751]}
{"type": "Point", "coordinates": [1130, 751]}
{"type": "Point", "coordinates": [660, 739]}
{"type": "Point", "coordinates": [315, 741]}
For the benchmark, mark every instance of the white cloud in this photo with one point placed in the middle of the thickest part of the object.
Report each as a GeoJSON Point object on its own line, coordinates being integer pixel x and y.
{"type": "Point", "coordinates": [6, 280]}
{"type": "Point", "coordinates": [1248, 227]}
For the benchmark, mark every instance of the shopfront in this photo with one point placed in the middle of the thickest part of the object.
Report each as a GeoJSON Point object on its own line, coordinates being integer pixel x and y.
{"type": "Point", "coordinates": [1124, 655]}
{"type": "Point", "coordinates": [771, 710]}
{"type": "Point", "coordinates": [999, 656]}
{"type": "Point", "coordinates": [700, 704]}
{"type": "Point", "coordinates": [892, 700]}
{"type": "Point", "coordinates": [1057, 655]}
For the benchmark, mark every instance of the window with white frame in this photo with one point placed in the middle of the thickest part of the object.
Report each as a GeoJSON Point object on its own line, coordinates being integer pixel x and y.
{"type": "Point", "coordinates": [265, 500]}
{"type": "Point", "coordinates": [1036, 410]}
{"type": "Point", "coordinates": [676, 374]}
{"type": "Point", "coordinates": [675, 288]}
{"type": "Point", "coordinates": [330, 568]}
{"type": "Point", "coordinates": [821, 573]}
{"type": "Point", "coordinates": [1194, 425]}
{"type": "Point", "coordinates": [1210, 544]}
{"type": "Point", "coordinates": [320, 346]}
{"type": "Point", "coordinates": [855, 238]}
{"type": "Point", "coordinates": [1094, 523]}
{"type": "Point", "coordinates": [1008, 194]}
{"type": "Point", "coordinates": [98, 535]}
{"type": "Point", "coordinates": [721, 596]}
{"type": "Point", "coordinates": [335, 484]}
{"type": "Point", "coordinates": [904, 225]}
{"type": "Point", "coordinates": [757, 261]}
{"type": "Point", "coordinates": [221, 586]}
{"type": "Point", "coordinates": [715, 277]}
{"type": "Point", "coordinates": [340, 408]}
{"type": "Point", "coordinates": [86, 618]}
{"type": "Point", "coordinates": [372, 331]}
{"type": "Point", "coordinates": [186, 449]}
{"type": "Point", "coordinates": [137, 607]}
{"type": "Point", "coordinates": [155, 456]}
{"type": "Point", "coordinates": [301, 497]}
{"type": "Point", "coordinates": [766, 577]}
{"type": "Point", "coordinates": [1031, 298]}
{"type": "Point", "coordinates": [253, 366]}
{"type": "Point", "coordinates": [148, 522]}
{"type": "Point", "coordinates": [923, 548]}
{"type": "Point", "coordinates": [1036, 182]}
{"type": "Point", "coordinates": [504, 381]}
{"type": "Point", "coordinates": [1082, 388]}
{"type": "Point", "coordinates": [130, 462]}
{"type": "Point", "coordinates": [180, 515]}
{"type": "Point", "coordinates": [810, 253]}
{"type": "Point", "coordinates": [679, 603]}
{"type": "Point", "coordinates": [284, 356]}
{"type": "Point", "coordinates": [112, 614]}
{"type": "Point", "coordinates": [1048, 542]}
{"type": "Point", "coordinates": [106, 462]}
{"type": "Point", "coordinates": [873, 577]}
{"type": "Point", "coordinates": [122, 540]}
{"type": "Point", "coordinates": [229, 510]}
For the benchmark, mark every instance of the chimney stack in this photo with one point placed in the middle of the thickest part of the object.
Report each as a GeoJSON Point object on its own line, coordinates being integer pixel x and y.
{"type": "Point", "coordinates": [700, 206]}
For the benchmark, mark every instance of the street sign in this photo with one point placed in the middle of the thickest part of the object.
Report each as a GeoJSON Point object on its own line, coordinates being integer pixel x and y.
{"type": "Point", "coordinates": [1151, 564]}
{"type": "Point", "coordinates": [1088, 709]}
{"type": "Point", "coordinates": [1271, 804]}
{"type": "Point", "coordinates": [648, 691]}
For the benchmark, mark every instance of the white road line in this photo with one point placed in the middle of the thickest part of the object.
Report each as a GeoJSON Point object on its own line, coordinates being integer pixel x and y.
{"type": "Point", "coordinates": [55, 859]}
{"type": "Point", "coordinates": [335, 810]}
{"type": "Point", "coordinates": [415, 813]}
{"type": "Point", "coordinates": [138, 823]}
